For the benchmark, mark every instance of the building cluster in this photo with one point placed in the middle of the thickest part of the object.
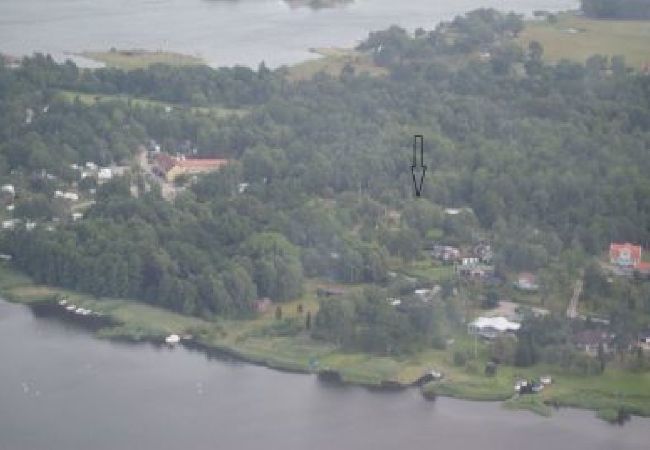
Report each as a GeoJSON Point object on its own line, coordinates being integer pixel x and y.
{"type": "Point", "coordinates": [626, 258]}
{"type": "Point", "coordinates": [101, 174]}
{"type": "Point", "coordinates": [171, 167]}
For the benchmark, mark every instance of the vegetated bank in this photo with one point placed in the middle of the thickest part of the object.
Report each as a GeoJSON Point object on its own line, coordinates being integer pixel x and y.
{"type": "Point", "coordinates": [141, 59]}
{"type": "Point", "coordinates": [613, 394]}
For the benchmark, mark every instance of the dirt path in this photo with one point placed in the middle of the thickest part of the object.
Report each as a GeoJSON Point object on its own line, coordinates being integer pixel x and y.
{"type": "Point", "coordinates": [572, 310]}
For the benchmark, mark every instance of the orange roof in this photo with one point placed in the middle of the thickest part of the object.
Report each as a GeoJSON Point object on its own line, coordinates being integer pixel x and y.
{"type": "Point", "coordinates": [201, 163]}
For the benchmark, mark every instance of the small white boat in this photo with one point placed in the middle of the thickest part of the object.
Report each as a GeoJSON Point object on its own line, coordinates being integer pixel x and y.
{"type": "Point", "coordinates": [79, 311]}
{"type": "Point", "coordinates": [173, 339]}
{"type": "Point", "coordinates": [71, 307]}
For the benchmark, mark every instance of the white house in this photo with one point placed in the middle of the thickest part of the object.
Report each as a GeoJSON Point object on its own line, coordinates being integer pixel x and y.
{"type": "Point", "coordinates": [9, 224]}
{"type": "Point", "coordinates": [491, 327]}
{"type": "Point", "coordinates": [104, 174]}
{"type": "Point", "coordinates": [73, 196]}
{"type": "Point", "coordinates": [470, 261]}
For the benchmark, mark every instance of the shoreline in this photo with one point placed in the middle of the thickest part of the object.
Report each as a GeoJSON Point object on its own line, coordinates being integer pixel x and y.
{"type": "Point", "coordinates": [141, 325]}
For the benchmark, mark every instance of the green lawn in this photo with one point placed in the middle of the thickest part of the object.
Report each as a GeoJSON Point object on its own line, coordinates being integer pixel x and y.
{"type": "Point", "coordinates": [576, 38]}
{"type": "Point", "coordinates": [427, 270]}
{"type": "Point", "coordinates": [91, 99]}
{"type": "Point", "coordinates": [140, 59]}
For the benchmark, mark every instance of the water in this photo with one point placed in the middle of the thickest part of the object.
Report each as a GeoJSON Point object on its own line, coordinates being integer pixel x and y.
{"type": "Point", "coordinates": [63, 389]}
{"type": "Point", "coordinates": [223, 32]}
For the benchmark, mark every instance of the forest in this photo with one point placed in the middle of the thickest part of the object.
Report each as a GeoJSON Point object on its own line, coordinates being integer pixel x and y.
{"type": "Point", "coordinates": [549, 161]}
{"type": "Point", "coordinates": [616, 9]}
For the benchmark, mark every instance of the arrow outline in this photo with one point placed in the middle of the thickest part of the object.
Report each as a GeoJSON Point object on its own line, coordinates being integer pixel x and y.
{"type": "Point", "coordinates": [414, 166]}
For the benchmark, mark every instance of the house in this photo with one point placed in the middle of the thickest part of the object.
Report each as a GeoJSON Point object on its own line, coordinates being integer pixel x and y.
{"type": "Point", "coordinates": [483, 252]}
{"type": "Point", "coordinates": [477, 272]}
{"type": "Point", "coordinates": [527, 282]}
{"type": "Point", "coordinates": [8, 193]}
{"type": "Point", "coordinates": [262, 305]}
{"type": "Point", "coordinates": [644, 340]}
{"type": "Point", "coordinates": [491, 327]}
{"type": "Point", "coordinates": [9, 224]}
{"type": "Point", "coordinates": [170, 167]}
{"type": "Point", "coordinates": [624, 255]}
{"type": "Point", "coordinates": [72, 196]}
{"type": "Point", "coordinates": [468, 262]}
{"type": "Point", "coordinates": [104, 174]}
{"type": "Point", "coordinates": [445, 253]}
{"type": "Point", "coordinates": [590, 340]}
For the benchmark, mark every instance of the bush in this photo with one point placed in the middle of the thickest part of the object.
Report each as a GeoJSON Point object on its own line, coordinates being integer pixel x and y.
{"type": "Point", "coordinates": [460, 358]}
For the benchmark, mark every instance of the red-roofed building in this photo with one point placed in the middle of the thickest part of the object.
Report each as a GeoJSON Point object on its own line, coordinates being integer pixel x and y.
{"type": "Point", "coordinates": [170, 167]}
{"type": "Point", "coordinates": [624, 255]}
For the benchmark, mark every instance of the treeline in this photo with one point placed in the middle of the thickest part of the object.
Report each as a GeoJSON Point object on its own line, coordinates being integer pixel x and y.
{"type": "Point", "coordinates": [477, 30]}
{"type": "Point", "coordinates": [198, 259]}
{"type": "Point", "coordinates": [547, 160]}
{"type": "Point", "coordinates": [194, 85]}
{"type": "Point", "coordinates": [616, 9]}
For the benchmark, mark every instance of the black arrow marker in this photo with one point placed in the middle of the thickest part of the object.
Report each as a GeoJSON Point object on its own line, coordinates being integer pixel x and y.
{"type": "Point", "coordinates": [418, 171]}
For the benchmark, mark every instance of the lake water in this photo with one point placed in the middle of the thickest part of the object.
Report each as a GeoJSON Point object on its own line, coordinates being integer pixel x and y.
{"type": "Point", "coordinates": [61, 388]}
{"type": "Point", "coordinates": [223, 32]}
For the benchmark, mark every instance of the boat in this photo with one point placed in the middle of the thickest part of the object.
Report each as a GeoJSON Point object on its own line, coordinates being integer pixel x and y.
{"type": "Point", "coordinates": [172, 339]}
{"type": "Point", "coordinates": [71, 307]}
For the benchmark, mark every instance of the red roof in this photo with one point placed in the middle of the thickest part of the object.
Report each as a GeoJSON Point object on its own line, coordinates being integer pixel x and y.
{"type": "Point", "coordinates": [627, 252]}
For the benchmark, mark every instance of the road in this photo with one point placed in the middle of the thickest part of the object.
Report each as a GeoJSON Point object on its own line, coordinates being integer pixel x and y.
{"type": "Point", "coordinates": [572, 310]}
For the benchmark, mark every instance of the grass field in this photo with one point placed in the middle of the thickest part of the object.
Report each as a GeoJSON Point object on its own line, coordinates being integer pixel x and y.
{"type": "Point", "coordinates": [332, 61]}
{"type": "Point", "coordinates": [607, 393]}
{"type": "Point", "coordinates": [577, 38]}
{"type": "Point", "coordinates": [91, 99]}
{"type": "Point", "coordinates": [140, 59]}
{"type": "Point", "coordinates": [426, 270]}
